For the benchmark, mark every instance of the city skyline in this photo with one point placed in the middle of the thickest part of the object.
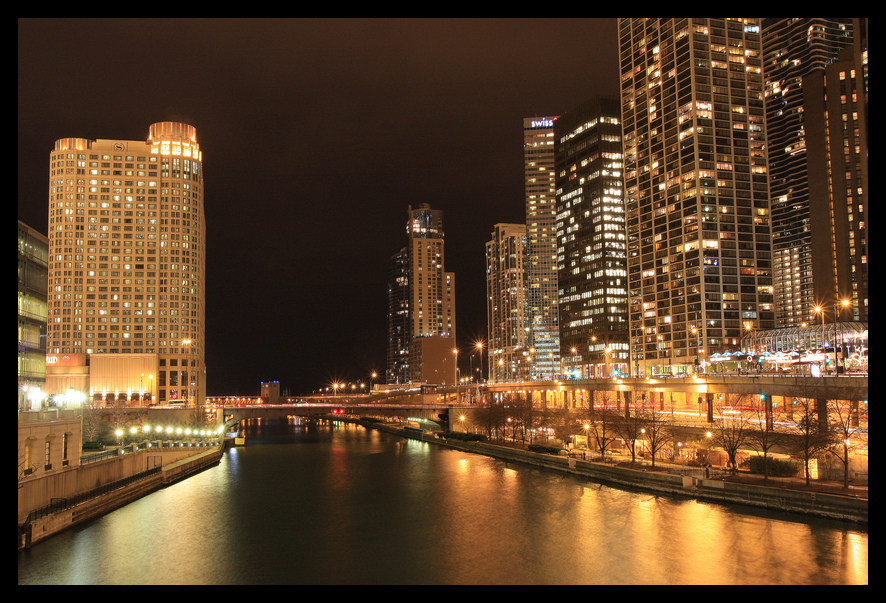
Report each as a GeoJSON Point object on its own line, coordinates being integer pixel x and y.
{"type": "Point", "coordinates": [437, 104]}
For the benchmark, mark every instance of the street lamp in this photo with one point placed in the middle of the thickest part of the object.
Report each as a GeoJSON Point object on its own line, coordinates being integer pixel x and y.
{"type": "Point", "coordinates": [480, 347]}
{"type": "Point", "coordinates": [819, 310]}
{"type": "Point", "coordinates": [607, 351]}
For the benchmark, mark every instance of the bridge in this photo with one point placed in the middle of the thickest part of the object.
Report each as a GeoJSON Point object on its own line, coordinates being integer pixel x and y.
{"type": "Point", "coordinates": [688, 396]}
{"type": "Point", "coordinates": [436, 413]}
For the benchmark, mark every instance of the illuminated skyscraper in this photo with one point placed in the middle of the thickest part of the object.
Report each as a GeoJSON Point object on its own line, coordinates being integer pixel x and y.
{"type": "Point", "coordinates": [795, 49]}
{"type": "Point", "coordinates": [421, 305]}
{"type": "Point", "coordinates": [399, 328]}
{"type": "Point", "coordinates": [835, 108]}
{"type": "Point", "coordinates": [541, 233]}
{"type": "Point", "coordinates": [506, 308]}
{"type": "Point", "coordinates": [696, 185]}
{"type": "Point", "coordinates": [127, 240]}
{"type": "Point", "coordinates": [591, 244]}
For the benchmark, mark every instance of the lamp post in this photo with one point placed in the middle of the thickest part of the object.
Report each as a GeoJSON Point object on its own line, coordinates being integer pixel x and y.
{"type": "Point", "coordinates": [607, 351]}
{"type": "Point", "coordinates": [837, 307]}
{"type": "Point", "coordinates": [480, 347]}
{"type": "Point", "coordinates": [820, 310]}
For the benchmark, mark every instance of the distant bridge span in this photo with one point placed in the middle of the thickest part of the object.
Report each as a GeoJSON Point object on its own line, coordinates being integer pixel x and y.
{"type": "Point", "coordinates": [437, 413]}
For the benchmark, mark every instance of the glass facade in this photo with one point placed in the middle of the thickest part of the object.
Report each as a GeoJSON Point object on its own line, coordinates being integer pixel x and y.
{"type": "Point", "coordinates": [591, 242]}
{"type": "Point", "coordinates": [33, 261]}
{"type": "Point", "coordinates": [541, 232]}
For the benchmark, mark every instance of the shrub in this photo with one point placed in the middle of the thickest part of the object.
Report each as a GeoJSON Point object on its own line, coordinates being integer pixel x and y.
{"type": "Point", "coordinates": [465, 437]}
{"type": "Point", "coordinates": [776, 467]}
{"type": "Point", "coordinates": [544, 449]}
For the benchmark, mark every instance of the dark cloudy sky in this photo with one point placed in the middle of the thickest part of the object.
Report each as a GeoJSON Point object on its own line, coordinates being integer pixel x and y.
{"type": "Point", "coordinates": [316, 136]}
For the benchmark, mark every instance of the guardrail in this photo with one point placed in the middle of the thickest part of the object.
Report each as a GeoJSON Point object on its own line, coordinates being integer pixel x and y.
{"type": "Point", "coordinates": [60, 504]}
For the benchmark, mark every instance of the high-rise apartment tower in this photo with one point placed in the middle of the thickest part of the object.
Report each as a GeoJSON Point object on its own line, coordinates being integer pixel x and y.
{"type": "Point", "coordinates": [127, 241]}
{"type": "Point", "coordinates": [541, 232]}
{"type": "Point", "coordinates": [835, 108]}
{"type": "Point", "coordinates": [795, 49]}
{"type": "Point", "coordinates": [697, 194]}
{"type": "Point", "coordinates": [429, 303]}
{"type": "Point", "coordinates": [399, 328]}
{"type": "Point", "coordinates": [510, 357]}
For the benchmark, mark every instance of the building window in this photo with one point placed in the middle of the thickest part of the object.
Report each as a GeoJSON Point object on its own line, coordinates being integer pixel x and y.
{"type": "Point", "coordinates": [65, 450]}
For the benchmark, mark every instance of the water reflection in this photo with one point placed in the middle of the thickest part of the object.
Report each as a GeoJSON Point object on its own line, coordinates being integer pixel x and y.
{"type": "Point", "coordinates": [320, 504]}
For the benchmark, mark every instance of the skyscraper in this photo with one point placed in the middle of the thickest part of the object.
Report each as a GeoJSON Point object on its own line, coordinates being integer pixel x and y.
{"type": "Point", "coordinates": [541, 232]}
{"type": "Point", "coordinates": [835, 107]}
{"type": "Point", "coordinates": [127, 240]}
{"type": "Point", "coordinates": [697, 195]}
{"type": "Point", "coordinates": [399, 327]}
{"type": "Point", "coordinates": [795, 49]}
{"type": "Point", "coordinates": [421, 304]}
{"type": "Point", "coordinates": [507, 313]}
{"type": "Point", "coordinates": [591, 244]}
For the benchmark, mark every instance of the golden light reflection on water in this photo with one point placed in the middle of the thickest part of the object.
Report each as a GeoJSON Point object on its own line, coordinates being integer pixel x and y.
{"type": "Point", "coordinates": [358, 507]}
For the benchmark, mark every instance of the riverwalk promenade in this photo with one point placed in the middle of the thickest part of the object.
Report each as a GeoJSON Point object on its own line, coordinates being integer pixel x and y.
{"type": "Point", "coordinates": [826, 499]}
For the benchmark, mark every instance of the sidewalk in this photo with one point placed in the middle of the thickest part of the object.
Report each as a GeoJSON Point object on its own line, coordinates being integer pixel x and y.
{"type": "Point", "coordinates": [715, 472]}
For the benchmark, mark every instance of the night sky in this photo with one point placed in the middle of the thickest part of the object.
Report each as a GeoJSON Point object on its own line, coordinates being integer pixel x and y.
{"type": "Point", "coordinates": [316, 136]}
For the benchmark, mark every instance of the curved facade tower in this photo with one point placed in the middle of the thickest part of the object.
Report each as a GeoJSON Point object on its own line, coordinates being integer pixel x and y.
{"type": "Point", "coordinates": [127, 238]}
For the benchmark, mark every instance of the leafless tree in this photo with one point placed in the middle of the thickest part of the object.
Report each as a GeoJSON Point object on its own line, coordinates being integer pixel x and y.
{"type": "Point", "coordinates": [24, 470]}
{"type": "Point", "coordinates": [600, 421]}
{"type": "Point", "coordinates": [603, 429]}
{"type": "Point", "coordinates": [628, 426]}
{"type": "Point", "coordinates": [845, 432]}
{"type": "Point", "coordinates": [560, 421]}
{"type": "Point", "coordinates": [525, 414]}
{"type": "Point", "coordinates": [731, 430]}
{"type": "Point", "coordinates": [92, 421]}
{"type": "Point", "coordinates": [489, 417]}
{"type": "Point", "coordinates": [656, 432]}
{"type": "Point", "coordinates": [762, 435]}
{"type": "Point", "coordinates": [810, 437]}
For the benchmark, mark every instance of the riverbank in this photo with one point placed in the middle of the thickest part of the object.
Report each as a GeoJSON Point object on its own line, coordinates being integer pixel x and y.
{"type": "Point", "coordinates": [687, 484]}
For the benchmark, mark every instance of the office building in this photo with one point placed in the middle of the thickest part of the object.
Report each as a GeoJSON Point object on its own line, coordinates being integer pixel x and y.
{"type": "Point", "coordinates": [794, 49]}
{"type": "Point", "coordinates": [541, 232]}
{"type": "Point", "coordinates": [127, 241]}
{"type": "Point", "coordinates": [33, 262]}
{"type": "Point", "coordinates": [509, 353]}
{"type": "Point", "coordinates": [591, 241]}
{"type": "Point", "coordinates": [696, 188]}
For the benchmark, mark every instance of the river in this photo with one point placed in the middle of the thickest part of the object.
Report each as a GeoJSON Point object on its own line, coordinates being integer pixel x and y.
{"type": "Point", "coordinates": [319, 503]}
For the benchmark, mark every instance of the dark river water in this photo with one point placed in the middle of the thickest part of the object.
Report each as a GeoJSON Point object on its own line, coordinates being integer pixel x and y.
{"type": "Point", "coordinates": [339, 504]}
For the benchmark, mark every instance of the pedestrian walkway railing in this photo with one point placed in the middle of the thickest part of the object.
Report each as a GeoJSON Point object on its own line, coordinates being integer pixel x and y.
{"type": "Point", "coordinates": [60, 504]}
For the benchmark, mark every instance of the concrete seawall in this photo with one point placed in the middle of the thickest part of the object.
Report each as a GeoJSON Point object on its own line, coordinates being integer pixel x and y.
{"type": "Point", "coordinates": [37, 530]}
{"type": "Point", "coordinates": [817, 504]}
